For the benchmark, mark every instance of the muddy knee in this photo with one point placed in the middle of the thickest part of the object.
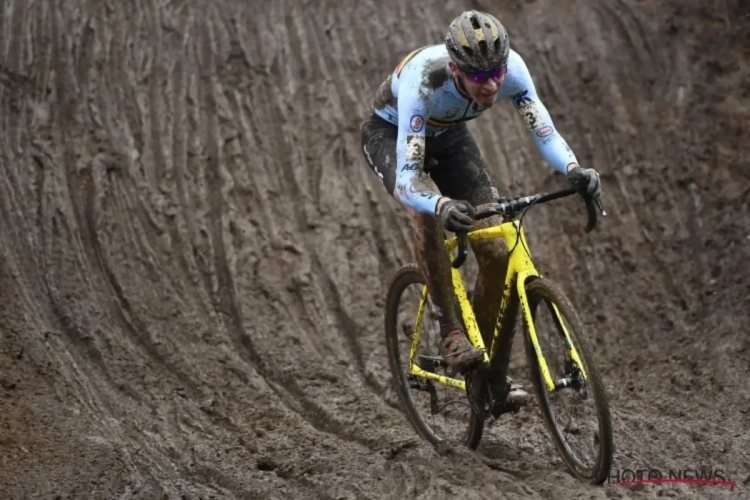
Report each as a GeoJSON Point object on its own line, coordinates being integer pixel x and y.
{"type": "Point", "coordinates": [429, 247]}
{"type": "Point", "coordinates": [434, 263]}
{"type": "Point", "coordinates": [489, 252]}
{"type": "Point", "coordinates": [492, 260]}
{"type": "Point", "coordinates": [428, 230]}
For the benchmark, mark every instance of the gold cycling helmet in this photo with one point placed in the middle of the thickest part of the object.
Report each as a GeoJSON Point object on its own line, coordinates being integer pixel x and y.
{"type": "Point", "coordinates": [477, 42]}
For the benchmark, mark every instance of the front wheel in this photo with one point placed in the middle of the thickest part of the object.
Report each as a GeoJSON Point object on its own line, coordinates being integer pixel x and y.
{"type": "Point", "coordinates": [585, 439]}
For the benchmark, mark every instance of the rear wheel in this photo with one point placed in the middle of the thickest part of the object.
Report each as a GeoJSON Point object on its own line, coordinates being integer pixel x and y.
{"type": "Point", "coordinates": [437, 412]}
{"type": "Point", "coordinates": [585, 439]}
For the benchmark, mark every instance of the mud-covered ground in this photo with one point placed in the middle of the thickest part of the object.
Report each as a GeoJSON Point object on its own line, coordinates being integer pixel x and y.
{"type": "Point", "coordinates": [194, 254]}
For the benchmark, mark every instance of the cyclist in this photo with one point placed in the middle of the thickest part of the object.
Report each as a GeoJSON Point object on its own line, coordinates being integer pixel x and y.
{"type": "Point", "coordinates": [417, 141]}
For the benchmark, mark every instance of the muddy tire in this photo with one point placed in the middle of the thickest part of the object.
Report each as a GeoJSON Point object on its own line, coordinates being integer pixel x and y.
{"type": "Point", "coordinates": [543, 292]}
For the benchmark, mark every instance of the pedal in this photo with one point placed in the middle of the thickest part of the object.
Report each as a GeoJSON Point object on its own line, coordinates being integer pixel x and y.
{"type": "Point", "coordinates": [507, 407]}
{"type": "Point", "coordinates": [516, 399]}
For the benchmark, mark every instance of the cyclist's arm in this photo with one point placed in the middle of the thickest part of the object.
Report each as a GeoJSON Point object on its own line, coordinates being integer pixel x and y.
{"type": "Point", "coordinates": [411, 190]}
{"type": "Point", "coordinates": [550, 143]}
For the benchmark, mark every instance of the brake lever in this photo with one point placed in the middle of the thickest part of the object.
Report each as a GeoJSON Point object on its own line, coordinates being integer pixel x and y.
{"type": "Point", "coordinates": [600, 205]}
{"type": "Point", "coordinates": [591, 214]}
{"type": "Point", "coordinates": [592, 204]}
{"type": "Point", "coordinates": [462, 251]}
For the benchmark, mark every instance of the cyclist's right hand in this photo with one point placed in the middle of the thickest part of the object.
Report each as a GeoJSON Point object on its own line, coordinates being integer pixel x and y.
{"type": "Point", "coordinates": [457, 215]}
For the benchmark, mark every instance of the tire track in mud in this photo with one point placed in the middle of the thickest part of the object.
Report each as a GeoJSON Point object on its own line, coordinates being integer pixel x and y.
{"type": "Point", "coordinates": [92, 393]}
{"type": "Point", "coordinates": [226, 299]}
{"type": "Point", "coordinates": [77, 332]}
{"type": "Point", "coordinates": [127, 316]}
{"type": "Point", "coordinates": [83, 339]}
{"type": "Point", "coordinates": [286, 388]}
{"type": "Point", "coordinates": [89, 209]}
{"type": "Point", "coordinates": [295, 184]}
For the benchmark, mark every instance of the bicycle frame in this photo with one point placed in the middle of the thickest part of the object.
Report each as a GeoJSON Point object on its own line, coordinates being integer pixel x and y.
{"type": "Point", "coordinates": [520, 269]}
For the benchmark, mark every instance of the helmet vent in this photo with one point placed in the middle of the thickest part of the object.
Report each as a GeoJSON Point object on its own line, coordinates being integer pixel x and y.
{"type": "Point", "coordinates": [483, 47]}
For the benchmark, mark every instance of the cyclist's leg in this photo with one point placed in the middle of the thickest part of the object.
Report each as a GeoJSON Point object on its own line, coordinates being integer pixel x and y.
{"type": "Point", "coordinates": [462, 174]}
{"type": "Point", "coordinates": [379, 148]}
{"type": "Point", "coordinates": [433, 261]}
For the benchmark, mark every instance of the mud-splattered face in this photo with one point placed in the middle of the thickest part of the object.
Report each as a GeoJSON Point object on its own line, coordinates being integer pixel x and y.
{"type": "Point", "coordinates": [482, 90]}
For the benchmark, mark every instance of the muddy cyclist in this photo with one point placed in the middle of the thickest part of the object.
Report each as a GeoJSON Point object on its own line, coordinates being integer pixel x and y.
{"type": "Point", "coordinates": [416, 140]}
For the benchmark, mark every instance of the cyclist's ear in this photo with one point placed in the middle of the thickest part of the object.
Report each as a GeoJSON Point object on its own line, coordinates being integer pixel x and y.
{"type": "Point", "coordinates": [454, 69]}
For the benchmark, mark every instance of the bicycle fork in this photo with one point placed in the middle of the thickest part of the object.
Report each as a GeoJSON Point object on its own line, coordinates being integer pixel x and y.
{"type": "Point", "coordinates": [575, 373]}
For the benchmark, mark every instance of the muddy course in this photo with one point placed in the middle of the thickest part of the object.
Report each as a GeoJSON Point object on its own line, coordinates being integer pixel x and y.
{"type": "Point", "coordinates": [194, 254]}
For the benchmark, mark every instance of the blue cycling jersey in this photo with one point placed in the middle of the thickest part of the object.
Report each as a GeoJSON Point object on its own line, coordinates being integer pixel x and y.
{"type": "Point", "coordinates": [422, 99]}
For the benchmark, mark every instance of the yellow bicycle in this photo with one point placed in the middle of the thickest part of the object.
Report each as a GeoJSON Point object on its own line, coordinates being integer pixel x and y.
{"type": "Point", "coordinates": [559, 375]}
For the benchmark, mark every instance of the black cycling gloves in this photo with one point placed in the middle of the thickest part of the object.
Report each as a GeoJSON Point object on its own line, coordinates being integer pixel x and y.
{"type": "Point", "coordinates": [585, 179]}
{"type": "Point", "coordinates": [457, 215]}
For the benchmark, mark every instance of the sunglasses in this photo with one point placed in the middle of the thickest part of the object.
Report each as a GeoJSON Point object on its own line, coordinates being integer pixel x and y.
{"type": "Point", "coordinates": [483, 76]}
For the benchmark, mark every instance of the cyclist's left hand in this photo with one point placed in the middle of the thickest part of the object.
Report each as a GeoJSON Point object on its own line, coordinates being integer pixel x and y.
{"type": "Point", "coordinates": [585, 179]}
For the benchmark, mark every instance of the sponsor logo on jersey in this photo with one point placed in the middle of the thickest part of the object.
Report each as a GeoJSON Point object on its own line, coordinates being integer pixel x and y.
{"type": "Point", "coordinates": [417, 122]}
{"type": "Point", "coordinates": [544, 131]}
{"type": "Point", "coordinates": [521, 98]}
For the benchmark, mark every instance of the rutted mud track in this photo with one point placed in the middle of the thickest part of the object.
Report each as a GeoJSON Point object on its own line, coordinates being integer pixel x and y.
{"type": "Point", "coordinates": [194, 254]}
